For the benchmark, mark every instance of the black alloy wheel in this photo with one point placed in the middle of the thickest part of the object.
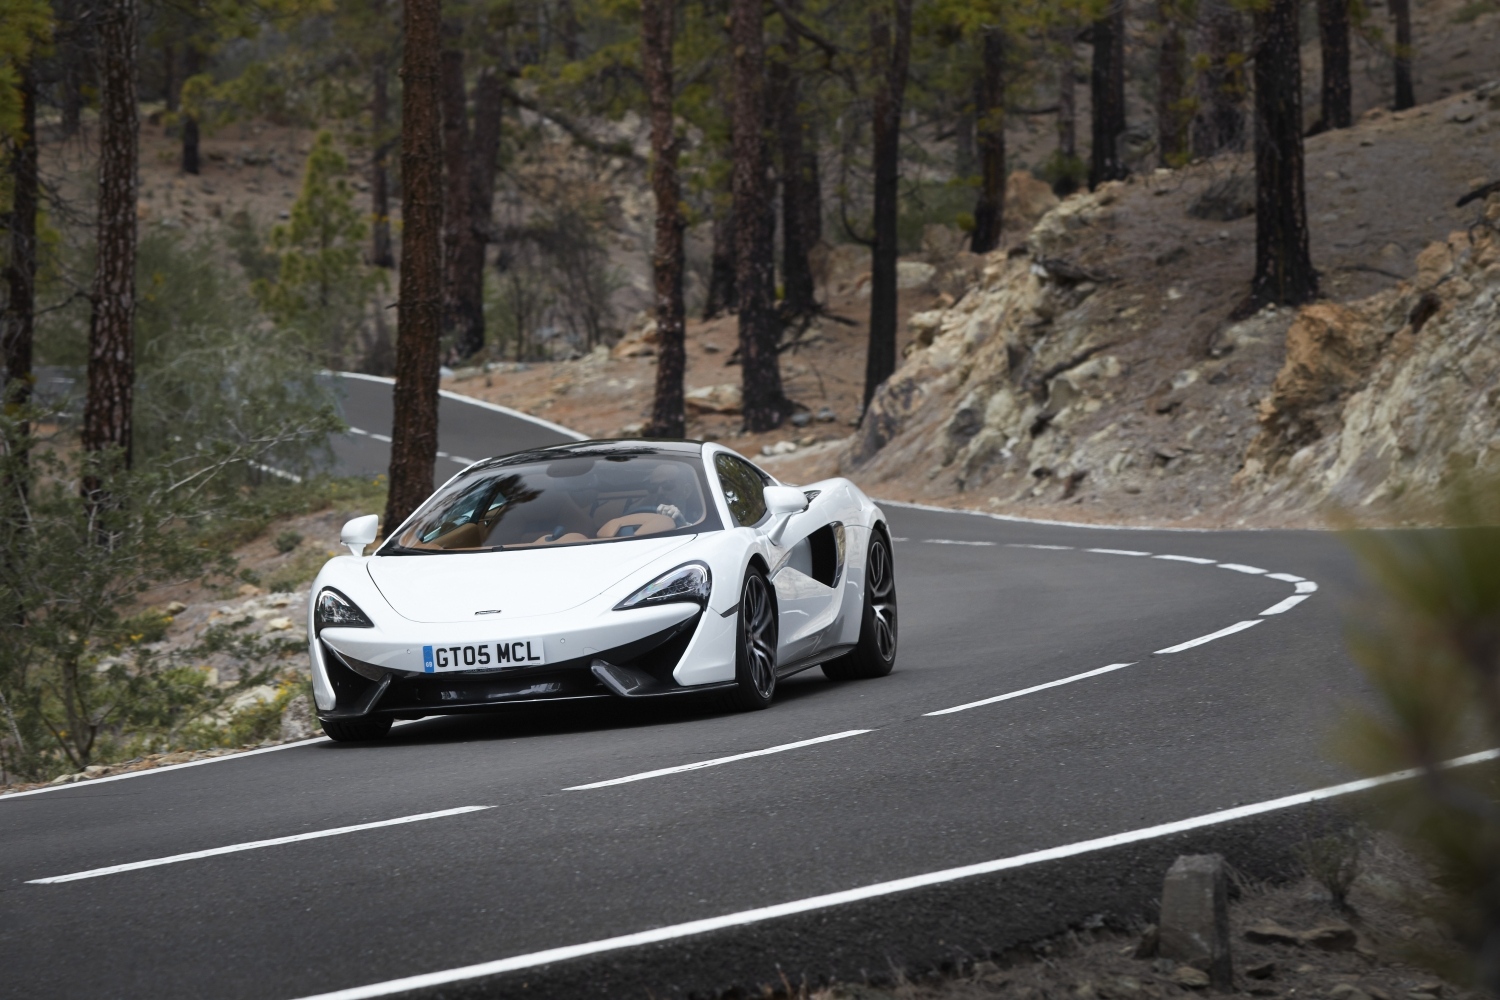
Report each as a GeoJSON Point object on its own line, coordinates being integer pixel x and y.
{"type": "Point", "coordinates": [755, 648]}
{"type": "Point", "coordinates": [356, 730]}
{"type": "Point", "coordinates": [875, 654]}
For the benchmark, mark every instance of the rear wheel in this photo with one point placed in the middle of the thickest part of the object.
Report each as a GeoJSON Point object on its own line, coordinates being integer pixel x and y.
{"type": "Point", "coordinates": [875, 654]}
{"type": "Point", "coordinates": [356, 730]}
{"type": "Point", "coordinates": [755, 645]}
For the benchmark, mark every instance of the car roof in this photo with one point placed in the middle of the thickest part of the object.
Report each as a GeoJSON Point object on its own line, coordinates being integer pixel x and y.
{"type": "Point", "coordinates": [631, 448]}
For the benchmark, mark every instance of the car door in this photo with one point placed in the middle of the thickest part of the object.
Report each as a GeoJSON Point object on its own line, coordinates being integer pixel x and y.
{"type": "Point", "coordinates": [806, 559]}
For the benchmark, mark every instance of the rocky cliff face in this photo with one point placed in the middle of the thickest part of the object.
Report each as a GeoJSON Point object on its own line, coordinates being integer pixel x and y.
{"type": "Point", "coordinates": [1051, 382]}
{"type": "Point", "coordinates": [1390, 397]}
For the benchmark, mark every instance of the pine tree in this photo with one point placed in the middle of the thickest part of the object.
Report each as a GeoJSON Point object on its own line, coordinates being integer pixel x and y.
{"type": "Point", "coordinates": [1333, 36]}
{"type": "Point", "coordinates": [1284, 273]}
{"type": "Point", "coordinates": [1107, 92]}
{"type": "Point", "coordinates": [322, 286]}
{"type": "Point", "coordinates": [420, 312]}
{"type": "Point", "coordinates": [890, 47]}
{"type": "Point", "coordinates": [111, 367]}
{"type": "Point", "coordinates": [667, 417]}
{"type": "Point", "coordinates": [760, 369]}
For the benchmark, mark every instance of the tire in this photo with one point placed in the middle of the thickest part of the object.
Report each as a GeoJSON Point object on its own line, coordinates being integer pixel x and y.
{"type": "Point", "coordinates": [875, 654]}
{"type": "Point", "coordinates": [755, 645]}
{"type": "Point", "coordinates": [356, 730]}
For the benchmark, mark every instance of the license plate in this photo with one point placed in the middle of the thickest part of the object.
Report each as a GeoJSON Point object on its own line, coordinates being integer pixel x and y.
{"type": "Point", "coordinates": [484, 655]}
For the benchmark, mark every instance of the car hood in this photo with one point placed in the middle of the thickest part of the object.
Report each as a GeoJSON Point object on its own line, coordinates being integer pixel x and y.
{"type": "Point", "coordinates": [454, 587]}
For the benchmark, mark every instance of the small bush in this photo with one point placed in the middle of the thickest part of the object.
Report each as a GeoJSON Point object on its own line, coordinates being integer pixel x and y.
{"type": "Point", "coordinates": [1333, 861]}
{"type": "Point", "coordinates": [287, 541]}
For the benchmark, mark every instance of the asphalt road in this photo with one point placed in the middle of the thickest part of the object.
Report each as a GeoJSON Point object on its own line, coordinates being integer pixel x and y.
{"type": "Point", "coordinates": [467, 430]}
{"type": "Point", "coordinates": [1240, 719]}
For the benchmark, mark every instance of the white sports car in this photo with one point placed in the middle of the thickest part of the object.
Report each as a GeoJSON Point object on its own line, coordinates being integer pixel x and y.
{"type": "Point", "coordinates": [601, 569]}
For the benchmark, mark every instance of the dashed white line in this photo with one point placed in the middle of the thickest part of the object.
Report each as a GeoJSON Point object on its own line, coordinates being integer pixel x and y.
{"type": "Point", "coordinates": [1118, 552]}
{"type": "Point", "coordinates": [385, 438]}
{"type": "Point", "coordinates": [1197, 560]}
{"type": "Point", "coordinates": [255, 845]}
{"type": "Point", "coordinates": [1284, 577]}
{"type": "Point", "coordinates": [1031, 690]}
{"type": "Point", "coordinates": [1242, 568]}
{"type": "Point", "coordinates": [1286, 604]}
{"type": "Point", "coordinates": [955, 541]}
{"type": "Point", "coordinates": [1048, 548]}
{"type": "Point", "coordinates": [743, 918]}
{"type": "Point", "coordinates": [1306, 587]}
{"type": "Point", "coordinates": [1231, 630]}
{"type": "Point", "coordinates": [716, 761]}
{"type": "Point", "coordinates": [461, 460]}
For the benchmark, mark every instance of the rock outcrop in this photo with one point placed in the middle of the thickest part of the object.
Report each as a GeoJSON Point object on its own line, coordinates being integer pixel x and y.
{"type": "Point", "coordinates": [1391, 396]}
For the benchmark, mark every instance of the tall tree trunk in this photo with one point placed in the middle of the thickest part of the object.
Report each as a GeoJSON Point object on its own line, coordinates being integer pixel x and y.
{"type": "Point", "coordinates": [380, 177]}
{"type": "Point", "coordinates": [812, 189]}
{"type": "Point", "coordinates": [111, 369]}
{"type": "Point", "coordinates": [75, 53]}
{"type": "Point", "coordinates": [419, 317]}
{"type": "Point", "coordinates": [989, 214]}
{"type": "Point", "coordinates": [1405, 95]}
{"type": "Point", "coordinates": [1171, 76]}
{"type": "Point", "coordinates": [474, 236]}
{"type": "Point", "coordinates": [890, 37]}
{"type": "Point", "coordinates": [1067, 101]}
{"type": "Point", "coordinates": [1107, 93]}
{"type": "Point", "coordinates": [1337, 109]}
{"type": "Point", "coordinates": [170, 85]}
{"type": "Point", "coordinates": [798, 294]}
{"type": "Point", "coordinates": [455, 182]}
{"type": "Point", "coordinates": [723, 295]}
{"type": "Point", "coordinates": [1284, 272]}
{"type": "Point", "coordinates": [1220, 125]}
{"type": "Point", "coordinates": [18, 331]}
{"type": "Point", "coordinates": [667, 418]}
{"type": "Point", "coordinates": [192, 65]}
{"type": "Point", "coordinates": [760, 369]}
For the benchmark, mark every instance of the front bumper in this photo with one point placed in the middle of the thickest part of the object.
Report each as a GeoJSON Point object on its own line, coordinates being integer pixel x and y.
{"type": "Point", "coordinates": [363, 688]}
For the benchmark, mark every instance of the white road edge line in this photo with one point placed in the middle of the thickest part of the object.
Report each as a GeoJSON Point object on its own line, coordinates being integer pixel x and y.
{"type": "Point", "coordinates": [1285, 604]}
{"type": "Point", "coordinates": [1231, 630]}
{"type": "Point", "coordinates": [1030, 520]}
{"type": "Point", "coordinates": [460, 397]}
{"type": "Point", "coordinates": [764, 913]}
{"type": "Point", "coordinates": [1197, 560]}
{"type": "Point", "coordinates": [237, 755]}
{"type": "Point", "coordinates": [1030, 545]}
{"type": "Point", "coordinates": [1118, 552]}
{"type": "Point", "coordinates": [1242, 568]}
{"type": "Point", "coordinates": [1031, 690]}
{"type": "Point", "coordinates": [716, 761]}
{"type": "Point", "coordinates": [254, 845]}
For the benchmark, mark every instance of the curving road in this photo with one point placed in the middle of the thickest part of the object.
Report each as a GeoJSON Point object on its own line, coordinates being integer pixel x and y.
{"type": "Point", "coordinates": [516, 838]}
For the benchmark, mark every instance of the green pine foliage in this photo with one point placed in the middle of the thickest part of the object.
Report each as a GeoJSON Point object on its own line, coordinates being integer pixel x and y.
{"type": "Point", "coordinates": [322, 288]}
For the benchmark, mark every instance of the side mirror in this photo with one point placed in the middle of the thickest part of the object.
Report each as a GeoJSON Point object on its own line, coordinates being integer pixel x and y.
{"type": "Point", "coordinates": [785, 500]}
{"type": "Point", "coordinates": [360, 532]}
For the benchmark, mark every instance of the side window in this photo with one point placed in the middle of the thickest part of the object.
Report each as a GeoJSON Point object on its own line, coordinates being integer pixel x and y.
{"type": "Point", "coordinates": [743, 488]}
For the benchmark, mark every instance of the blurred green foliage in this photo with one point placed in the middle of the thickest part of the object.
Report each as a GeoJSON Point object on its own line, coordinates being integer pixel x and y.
{"type": "Point", "coordinates": [1429, 643]}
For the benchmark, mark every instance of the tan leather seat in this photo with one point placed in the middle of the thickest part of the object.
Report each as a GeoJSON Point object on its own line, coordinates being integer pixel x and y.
{"type": "Point", "coordinates": [572, 536]}
{"type": "Point", "coordinates": [645, 524]}
{"type": "Point", "coordinates": [465, 536]}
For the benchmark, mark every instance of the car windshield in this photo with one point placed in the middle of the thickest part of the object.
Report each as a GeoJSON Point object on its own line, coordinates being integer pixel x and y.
{"type": "Point", "coordinates": [569, 501]}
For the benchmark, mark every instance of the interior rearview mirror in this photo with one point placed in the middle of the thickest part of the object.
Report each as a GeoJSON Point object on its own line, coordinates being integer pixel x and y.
{"type": "Point", "coordinates": [360, 532]}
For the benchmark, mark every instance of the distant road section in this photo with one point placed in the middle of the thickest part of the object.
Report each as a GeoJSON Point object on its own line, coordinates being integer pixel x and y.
{"type": "Point", "coordinates": [468, 429]}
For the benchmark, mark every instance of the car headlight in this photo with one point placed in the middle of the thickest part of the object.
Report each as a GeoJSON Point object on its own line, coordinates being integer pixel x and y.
{"type": "Point", "coordinates": [334, 610]}
{"type": "Point", "coordinates": [689, 582]}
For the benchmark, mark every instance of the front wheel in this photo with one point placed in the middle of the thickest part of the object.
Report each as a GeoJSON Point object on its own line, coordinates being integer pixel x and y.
{"type": "Point", "coordinates": [875, 654]}
{"type": "Point", "coordinates": [755, 645]}
{"type": "Point", "coordinates": [356, 730]}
